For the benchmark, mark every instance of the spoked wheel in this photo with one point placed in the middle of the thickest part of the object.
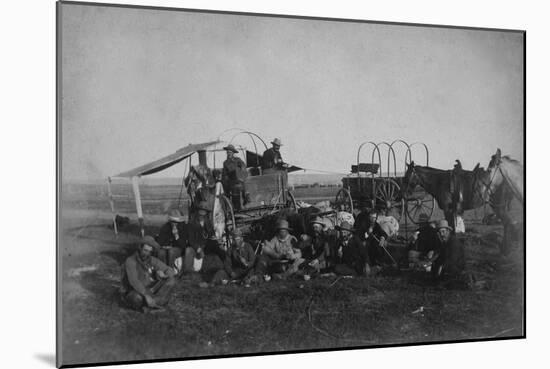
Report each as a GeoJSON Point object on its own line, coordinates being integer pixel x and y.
{"type": "Point", "coordinates": [291, 201]}
{"type": "Point", "coordinates": [418, 203]}
{"type": "Point", "coordinates": [343, 201]}
{"type": "Point", "coordinates": [388, 198]}
{"type": "Point", "coordinates": [223, 216]}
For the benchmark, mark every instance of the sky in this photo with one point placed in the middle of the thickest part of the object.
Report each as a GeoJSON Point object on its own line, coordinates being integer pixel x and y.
{"type": "Point", "coordinates": [138, 84]}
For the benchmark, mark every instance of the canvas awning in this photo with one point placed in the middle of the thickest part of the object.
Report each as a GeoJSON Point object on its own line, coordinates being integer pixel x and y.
{"type": "Point", "coordinates": [167, 161]}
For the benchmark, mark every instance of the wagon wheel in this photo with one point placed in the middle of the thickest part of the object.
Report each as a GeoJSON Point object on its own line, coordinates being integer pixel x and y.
{"type": "Point", "coordinates": [420, 202]}
{"type": "Point", "coordinates": [291, 201]}
{"type": "Point", "coordinates": [388, 198]}
{"type": "Point", "coordinates": [343, 201]}
{"type": "Point", "coordinates": [225, 214]}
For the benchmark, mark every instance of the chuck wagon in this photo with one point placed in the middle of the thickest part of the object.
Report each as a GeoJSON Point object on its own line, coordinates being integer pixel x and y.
{"type": "Point", "coordinates": [268, 190]}
{"type": "Point", "coordinates": [373, 185]}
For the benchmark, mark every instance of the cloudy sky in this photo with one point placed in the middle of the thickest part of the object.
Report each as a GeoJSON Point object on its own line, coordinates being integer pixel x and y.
{"type": "Point", "coordinates": [139, 84]}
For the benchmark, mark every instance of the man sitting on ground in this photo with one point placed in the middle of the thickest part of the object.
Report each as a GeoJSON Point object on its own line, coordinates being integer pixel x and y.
{"type": "Point", "coordinates": [172, 238]}
{"type": "Point", "coordinates": [425, 240]}
{"type": "Point", "coordinates": [242, 257]}
{"type": "Point", "coordinates": [350, 258]}
{"type": "Point", "coordinates": [280, 256]}
{"type": "Point", "coordinates": [146, 281]}
{"type": "Point", "coordinates": [373, 235]}
{"type": "Point", "coordinates": [200, 231]}
{"type": "Point", "coordinates": [315, 248]}
{"type": "Point", "coordinates": [450, 262]}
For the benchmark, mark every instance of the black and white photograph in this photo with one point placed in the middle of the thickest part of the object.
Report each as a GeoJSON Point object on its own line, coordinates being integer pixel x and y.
{"type": "Point", "coordinates": [235, 184]}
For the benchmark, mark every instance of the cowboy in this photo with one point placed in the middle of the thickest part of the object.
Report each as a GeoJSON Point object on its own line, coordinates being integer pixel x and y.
{"type": "Point", "coordinates": [372, 235]}
{"type": "Point", "coordinates": [450, 261]}
{"type": "Point", "coordinates": [200, 232]}
{"type": "Point", "coordinates": [243, 257]}
{"type": "Point", "coordinates": [146, 281]}
{"type": "Point", "coordinates": [425, 239]}
{"type": "Point", "coordinates": [350, 257]}
{"type": "Point", "coordinates": [172, 238]}
{"type": "Point", "coordinates": [272, 157]}
{"type": "Point", "coordinates": [314, 247]}
{"type": "Point", "coordinates": [233, 177]}
{"type": "Point", "coordinates": [280, 255]}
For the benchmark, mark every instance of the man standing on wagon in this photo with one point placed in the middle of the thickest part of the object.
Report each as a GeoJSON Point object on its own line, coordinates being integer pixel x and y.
{"type": "Point", "coordinates": [233, 177]}
{"type": "Point", "coordinates": [272, 159]}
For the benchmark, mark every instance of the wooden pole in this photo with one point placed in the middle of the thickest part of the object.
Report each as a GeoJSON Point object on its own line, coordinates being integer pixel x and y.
{"type": "Point", "coordinates": [112, 203]}
{"type": "Point", "coordinates": [137, 196]}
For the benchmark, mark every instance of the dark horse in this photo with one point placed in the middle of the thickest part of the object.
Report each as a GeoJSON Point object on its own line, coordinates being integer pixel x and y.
{"type": "Point", "coordinates": [201, 186]}
{"type": "Point", "coordinates": [454, 190]}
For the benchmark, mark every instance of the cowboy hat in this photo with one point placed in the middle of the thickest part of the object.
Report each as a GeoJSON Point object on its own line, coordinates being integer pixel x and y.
{"type": "Point", "coordinates": [317, 220]}
{"type": "Point", "coordinates": [149, 240]}
{"type": "Point", "coordinates": [443, 224]}
{"type": "Point", "coordinates": [345, 226]}
{"type": "Point", "coordinates": [230, 147]}
{"type": "Point", "coordinates": [237, 233]}
{"type": "Point", "coordinates": [277, 141]}
{"type": "Point", "coordinates": [282, 224]}
{"type": "Point", "coordinates": [175, 216]}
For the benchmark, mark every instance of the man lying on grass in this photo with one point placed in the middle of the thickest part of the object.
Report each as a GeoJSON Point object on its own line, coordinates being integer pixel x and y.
{"type": "Point", "coordinates": [146, 281]}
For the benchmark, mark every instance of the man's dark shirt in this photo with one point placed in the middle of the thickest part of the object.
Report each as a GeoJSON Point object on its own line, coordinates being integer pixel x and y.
{"type": "Point", "coordinates": [427, 240]}
{"type": "Point", "coordinates": [234, 171]}
{"type": "Point", "coordinates": [362, 225]}
{"type": "Point", "coordinates": [272, 159]}
{"type": "Point", "coordinates": [354, 254]}
{"type": "Point", "coordinates": [451, 256]}
{"type": "Point", "coordinates": [199, 235]}
{"type": "Point", "coordinates": [315, 248]}
{"type": "Point", "coordinates": [166, 237]}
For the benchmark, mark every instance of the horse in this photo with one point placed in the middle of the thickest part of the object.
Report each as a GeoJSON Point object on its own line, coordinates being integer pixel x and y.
{"type": "Point", "coordinates": [503, 170]}
{"type": "Point", "coordinates": [201, 186]}
{"type": "Point", "coordinates": [498, 186]}
{"type": "Point", "coordinates": [454, 190]}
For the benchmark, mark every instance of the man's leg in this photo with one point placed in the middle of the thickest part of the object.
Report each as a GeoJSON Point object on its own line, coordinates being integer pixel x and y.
{"type": "Point", "coordinates": [188, 260]}
{"type": "Point", "coordinates": [134, 300]}
{"type": "Point", "coordinates": [172, 254]}
{"type": "Point", "coordinates": [163, 290]}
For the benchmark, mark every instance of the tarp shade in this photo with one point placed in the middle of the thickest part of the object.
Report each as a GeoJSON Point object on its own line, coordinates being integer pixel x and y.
{"type": "Point", "coordinates": [167, 161]}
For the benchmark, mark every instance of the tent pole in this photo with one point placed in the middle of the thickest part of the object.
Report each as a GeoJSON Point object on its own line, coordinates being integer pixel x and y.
{"type": "Point", "coordinates": [112, 203]}
{"type": "Point", "coordinates": [137, 196]}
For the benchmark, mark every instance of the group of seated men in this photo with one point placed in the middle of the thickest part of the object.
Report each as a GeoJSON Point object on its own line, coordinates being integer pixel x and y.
{"type": "Point", "coordinates": [189, 250]}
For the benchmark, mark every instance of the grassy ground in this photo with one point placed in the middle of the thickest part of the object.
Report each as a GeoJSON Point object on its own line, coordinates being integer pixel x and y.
{"type": "Point", "coordinates": [276, 316]}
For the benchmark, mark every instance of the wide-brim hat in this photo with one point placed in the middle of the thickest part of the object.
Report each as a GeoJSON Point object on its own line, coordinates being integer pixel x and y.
{"type": "Point", "coordinates": [443, 224]}
{"type": "Point", "coordinates": [149, 240]}
{"type": "Point", "coordinates": [237, 233]}
{"type": "Point", "coordinates": [282, 224]}
{"type": "Point", "coordinates": [317, 220]}
{"type": "Point", "coordinates": [176, 216]}
{"type": "Point", "coordinates": [230, 147]}
{"type": "Point", "coordinates": [345, 226]}
{"type": "Point", "coordinates": [277, 141]}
